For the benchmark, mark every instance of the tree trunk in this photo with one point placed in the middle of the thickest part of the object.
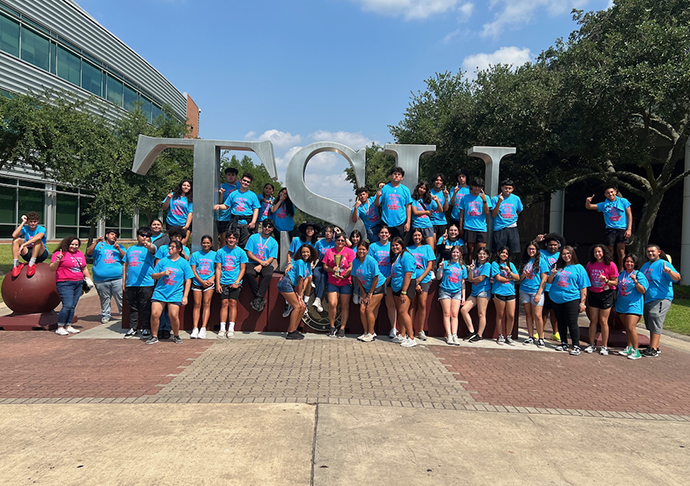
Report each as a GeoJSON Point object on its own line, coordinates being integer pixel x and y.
{"type": "Point", "coordinates": [646, 224]}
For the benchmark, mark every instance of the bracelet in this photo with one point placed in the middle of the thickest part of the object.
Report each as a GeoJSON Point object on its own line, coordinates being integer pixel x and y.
{"type": "Point", "coordinates": [403, 292]}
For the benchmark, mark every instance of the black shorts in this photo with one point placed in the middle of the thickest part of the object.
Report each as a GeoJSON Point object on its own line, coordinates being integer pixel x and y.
{"type": "Point", "coordinates": [613, 236]}
{"type": "Point", "coordinates": [427, 232]}
{"type": "Point", "coordinates": [509, 237]}
{"type": "Point", "coordinates": [504, 298]}
{"type": "Point", "coordinates": [40, 258]}
{"type": "Point", "coordinates": [600, 300]}
{"type": "Point", "coordinates": [548, 303]}
{"type": "Point", "coordinates": [397, 231]}
{"type": "Point", "coordinates": [410, 290]}
{"type": "Point", "coordinates": [222, 226]}
{"type": "Point", "coordinates": [227, 292]}
{"type": "Point", "coordinates": [425, 286]}
{"type": "Point", "coordinates": [439, 229]}
{"type": "Point", "coordinates": [380, 290]}
{"type": "Point", "coordinates": [475, 236]}
{"type": "Point", "coordinates": [200, 288]}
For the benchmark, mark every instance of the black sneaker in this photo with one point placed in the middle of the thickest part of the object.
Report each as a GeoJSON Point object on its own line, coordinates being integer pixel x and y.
{"type": "Point", "coordinates": [152, 340]}
{"type": "Point", "coordinates": [177, 339]}
{"type": "Point", "coordinates": [476, 338]}
{"type": "Point", "coordinates": [341, 332]}
{"type": "Point", "coordinates": [294, 335]}
{"type": "Point", "coordinates": [469, 336]}
{"type": "Point", "coordinates": [262, 305]}
{"type": "Point", "coordinates": [146, 333]}
{"type": "Point", "coordinates": [650, 352]}
{"type": "Point", "coordinates": [131, 333]}
{"type": "Point", "coordinates": [254, 304]}
{"type": "Point", "coordinates": [332, 331]}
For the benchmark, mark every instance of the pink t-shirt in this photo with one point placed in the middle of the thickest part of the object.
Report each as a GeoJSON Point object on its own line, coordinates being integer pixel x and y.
{"type": "Point", "coordinates": [348, 256]}
{"type": "Point", "coordinates": [71, 267]}
{"type": "Point", "coordinates": [596, 270]}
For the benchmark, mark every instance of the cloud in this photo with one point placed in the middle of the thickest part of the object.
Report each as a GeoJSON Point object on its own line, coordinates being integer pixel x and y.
{"type": "Point", "coordinates": [355, 141]}
{"type": "Point", "coordinates": [280, 140]}
{"type": "Point", "coordinates": [465, 12]}
{"type": "Point", "coordinates": [505, 55]}
{"type": "Point", "coordinates": [517, 12]}
{"type": "Point", "coordinates": [409, 9]}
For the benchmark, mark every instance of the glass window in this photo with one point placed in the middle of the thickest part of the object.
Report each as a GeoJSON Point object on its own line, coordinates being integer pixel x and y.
{"type": "Point", "coordinates": [155, 112]}
{"type": "Point", "coordinates": [114, 91]}
{"type": "Point", "coordinates": [83, 232]}
{"type": "Point", "coordinates": [53, 54]}
{"type": "Point", "coordinates": [9, 36]}
{"type": "Point", "coordinates": [6, 230]}
{"type": "Point", "coordinates": [68, 66]}
{"type": "Point", "coordinates": [35, 49]}
{"type": "Point", "coordinates": [146, 108]}
{"type": "Point", "coordinates": [67, 211]}
{"type": "Point", "coordinates": [39, 185]}
{"type": "Point", "coordinates": [130, 98]}
{"type": "Point", "coordinates": [31, 201]}
{"type": "Point", "coordinates": [64, 231]}
{"type": "Point", "coordinates": [91, 78]}
{"type": "Point", "coordinates": [8, 199]}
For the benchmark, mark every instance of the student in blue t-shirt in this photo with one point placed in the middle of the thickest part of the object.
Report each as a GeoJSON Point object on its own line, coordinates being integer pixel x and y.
{"type": "Point", "coordinates": [618, 219]}
{"type": "Point", "coordinates": [394, 200]}
{"type": "Point", "coordinates": [175, 235]}
{"type": "Point", "coordinates": [479, 275]}
{"type": "Point", "coordinates": [321, 246]}
{"type": "Point", "coordinates": [136, 275]}
{"type": "Point", "coordinates": [553, 242]}
{"type": "Point", "coordinates": [381, 252]}
{"type": "Point", "coordinates": [365, 209]}
{"type": "Point", "coordinates": [283, 215]}
{"type": "Point", "coordinates": [174, 277]}
{"type": "Point", "coordinates": [505, 210]}
{"type": "Point", "coordinates": [223, 217]}
{"type": "Point", "coordinates": [451, 292]}
{"type": "Point", "coordinates": [293, 285]}
{"type": "Point", "coordinates": [631, 287]}
{"type": "Point", "coordinates": [29, 243]}
{"type": "Point", "coordinates": [657, 299]}
{"type": "Point", "coordinates": [423, 206]}
{"type": "Point", "coordinates": [458, 194]}
{"type": "Point", "coordinates": [403, 285]}
{"type": "Point", "coordinates": [475, 207]}
{"type": "Point", "coordinates": [504, 275]}
{"type": "Point", "coordinates": [371, 282]}
{"type": "Point", "coordinates": [231, 264]}
{"type": "Point", "coordinates": [266, 200]}
{"type": "Point", "coordinates": [202, 263]}
{"type": "Point", "coordinates": [568, 293]}
{"type": "Point", "coordinates": [424, 260]}
{"type": "Point", "coordinates": [107, 271]}
{"type": "Point", "coordinates": [533, 270]}
{"type": "Point", "coordinates": [262, 252]}
{"type": "Point", "coordinates": [438, 218]}
{"type": "Point", "coordinates": [180, 206]}
{"type": "Point", "coordinates": [244, 207]}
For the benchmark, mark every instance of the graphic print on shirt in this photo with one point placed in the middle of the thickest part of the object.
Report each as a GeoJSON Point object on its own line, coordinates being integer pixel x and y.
{"type": "Point", "coordinates": [393, 201]}
{"type": "Point", "coordinates": [474, 208]}
{"type": "Point", "coordinates": [562, 278]}
{"type": "Point", "coordinates": [109, 256]}
{"type": "Point", "coordinates": [229, 263]}
{"type": "Point", "coordinates": [625, 285]}
{"type": "Point", "coordinates": [596, 278]}
{"type": "Point", "coordinates": [134, 259]}
{"type": "Point", "coordinates": [529, 269]}
{"type": "Point", "coordinates": [177, 207]}
{"type": "Point", "coordinates": [507, 211]}
{"type": "Point", "coordinates": [282, 212]}
{"type": "Point", "coordinates": [171, 279]}
{"type": "Point", "coordinates": [614, 214]}
{"type": "Point", "coordinates": [455, 274]}
{"type": "Point", "coordinates": [204, 267]}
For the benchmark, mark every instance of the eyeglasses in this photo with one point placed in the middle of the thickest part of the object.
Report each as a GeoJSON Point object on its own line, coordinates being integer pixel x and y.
{"type": "Point", "coordinates": [145, 235]}
{"type": "Point", "coordinates": [245, 181]}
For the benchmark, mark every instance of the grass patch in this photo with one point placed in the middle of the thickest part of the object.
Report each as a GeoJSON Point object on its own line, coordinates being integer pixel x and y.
{"type": "Point", "coordinates": [678, 317]}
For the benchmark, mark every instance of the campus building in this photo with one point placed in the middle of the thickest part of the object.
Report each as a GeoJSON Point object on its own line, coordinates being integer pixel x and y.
{"type": "Point", "coordinates": [55, 45]}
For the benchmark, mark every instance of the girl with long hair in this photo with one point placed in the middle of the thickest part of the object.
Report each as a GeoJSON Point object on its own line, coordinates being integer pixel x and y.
{"type": "Point", "coordinates": [632, 286]}
{"type": "Point", "coordinates": [424, 259]}
{"type": "Point", "coordinates": [504, 275]}
{"type": "Point", "coordinates": [603, 274]}
{"type": "Point", "coordinates": [532, 292]}
{"type": "Point", "coordinates": [403, 284]}
{"type": "Point", "coordinates": [293, 284]}
{"type": "Point", "coordinates": [381, 252]}
{"type": "Point", "coordinates": [202, 263]}
{"type": "Point", "coordinates": [423, 206]}
{"type": "Point", "coordinates": [371, 282]}
{"type": "Point", "coordinates": [180, 206]}
{"type": "Point", "coordinates": [479, 275]}
{"type": "Point", "coordinates": [69, 265]}
{"type": "Point", "coordinates": [451, 293]}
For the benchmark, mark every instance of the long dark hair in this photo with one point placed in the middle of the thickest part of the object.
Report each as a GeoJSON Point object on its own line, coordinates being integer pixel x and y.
{"type": "Point", "coordinates": [526, 258]}
{"type": "Point", "coordinates": [289, 208]}
{"type": "Point", "coordinates": [397, 239]}
{"type": "Point", "coordinates": [496, 257]}
{"type": "Point", "coordinates": [560, 263]}
{"type": "Point", "coordinates": [426, 199]}
{"type": "Point", "coordinates": [313, 254]}
{"type": "Point", "coordinates": [448, 234]}
{"type": "Point", "coordinates": [356, 233]}
{"type": "Point", "coordinates": [303, 236]}
{"type": "Point", "coordinates": [66, 242]}
{"type": "Point", "coordinates": [607, 254]}
{"type": "Point", "coordinates": [177, 193]}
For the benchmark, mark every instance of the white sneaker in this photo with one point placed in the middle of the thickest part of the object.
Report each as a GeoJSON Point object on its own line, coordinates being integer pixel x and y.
{"type": "Point", "coordinates": [449, 339]}
{"type": "Point", "coordinates": [317, 305]}
{"type": "Point", "coordinates": [456, 340]}
{"type": "Point", "coordinates": [368, 338]}
{"type": "Point", "coordinates": [361, 338]}
{"type": "Point", "coordinates": [398, 339]}
{"type": "Point", "coordinates": [590, 349]}
{"type": "Point", "coordinates": [408, 343]}
{"type": "Point", "coordinates": [221, 333]}
{"type": "Point", "coordinates": [230, 334]}
{"type": "Point", "coordinates": [71, 330]}
{"type": "Point", "coordinates": [393, 333]}
{"type": "Point", "coordinates": [61, 331]}
{"type": "Point", "coordinates": [195, 333]}
{"type": "Point", "coordinates": [288, 310]}
{"type": "Point", "coordinates": [604, 351]}
{"type": "Point", "coordinates": [202, 333]}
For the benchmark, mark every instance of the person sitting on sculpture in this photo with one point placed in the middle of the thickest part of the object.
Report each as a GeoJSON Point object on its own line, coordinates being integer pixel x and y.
{"type": "Point", "coordinates": [262, 252]}
{"type": "Point", "coordinates": [29, 243]}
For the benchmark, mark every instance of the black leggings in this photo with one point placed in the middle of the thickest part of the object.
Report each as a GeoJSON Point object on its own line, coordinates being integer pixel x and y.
{"type": "Point", "coordinates": [566, 315]}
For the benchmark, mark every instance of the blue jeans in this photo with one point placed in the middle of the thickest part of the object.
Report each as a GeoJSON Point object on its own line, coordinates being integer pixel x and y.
{"type": "Point", "coordinates": [319, 280]}
{"type": "Point", "coordinates": [69, 291]}
{"type": "Point", "coordinates": [373, 234]}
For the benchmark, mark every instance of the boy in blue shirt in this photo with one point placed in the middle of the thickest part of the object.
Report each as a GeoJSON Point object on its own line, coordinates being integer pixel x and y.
{"type": "Point", "coordinates": [459, 192]}
{"type": "Point", "coordinates": [244, 207]}
{"type": "Point", "coordinates": [505, 210]}
{"type": "Point", "coordinates": [231, 264]}
{"type": "Point", "coordinates": [138, 284]}
{"type": "Point", "coordinates": [29, 239]}
{"type": "Point", "coordinates": [107, 271]}
{"type": "Point", "coordinates": [365, 209]}
{"type": "Point", "coordinates": [394, 200]}
{"type": "Point", "coordinates": [475, 206]}
{"type": "Point", "coordinates": [618, 219]}
{"type": "Point", "coordinates": [226, 188]}
{"type": "Point", "coordinates": [262, 251]}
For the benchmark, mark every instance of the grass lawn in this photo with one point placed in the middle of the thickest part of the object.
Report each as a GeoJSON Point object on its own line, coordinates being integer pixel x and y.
{"type": "Point", "coordinates": [678, 318]}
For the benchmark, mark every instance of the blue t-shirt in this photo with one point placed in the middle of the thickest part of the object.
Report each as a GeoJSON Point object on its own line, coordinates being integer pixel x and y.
{"type": "Point", "coordinates": [107, 263]}
{"type": "Point", "coordinates": [438, 218]}
{"type": "Point", "coordinates": [453, 275]}
{"type": "Point", "coordinates": [423, 221]}
{"type": "Point", "coordinates": [629, 300]}
{"type": "Point", "coordinates": [614, 212]}
{"type": "Point", "coordinates": [140, 262]}
{"type": "Point", "coordinates": [550, 261]}
{"type": "Point", "coordinates": [475, 219]}
{"type": "Point", "coordinates": [262, 248]}
{"type": "Point", "coordinates": [382, 254]}
{"type": "Point", "coordinates": [179, 209]}
{"type": "Point", "coordinates": [568, 283]}
{"type": "Point", "coordinates": [27, 234]}
{"type": "Point", "coordinates": [660, 282]}
{"type": "Point", "coordinates": [394, 201]}
{"type": "Point", "coordinates": [170, 288]}
{"type": "Point", "coordinates": [455, 211]}
{"type": "Point", "coordinates": [483, 270]}
{"type": "Point", "coordinates": [366, 271]}
{"type": "Point", "coordinates": [530, 284]}
{"type": "Point", "coordinates": [369, 214]}
{"type": "Point", "coordinates": [265, 209]}
{"type": "Point", "coordinates": [225, 214]}
{"type": "Point", "coordinates": [283, 221]}
{"type": "Point", "coordinates": [243, 204]}
{"type": "Point", "coordinates": [322, 245]}
{"type": "Point", "coordinates": [502, 288]}
{"type": "Point", "coordinates": [297, 243]}
{"type": "Point", "coordinates": [230, 260]}
{"type": "Point", "coordinates": [507, 213]}
{"type": "Point", "coordinates": [423, 254]}
{"type": "Point", "coordinates": [402, 264]}
{"type": "Point", "coordinates": [204, 263]}
{"type": "Point", "coordinates": [299, 268]}
{"type": "Point", "coordinates": [163, 252]}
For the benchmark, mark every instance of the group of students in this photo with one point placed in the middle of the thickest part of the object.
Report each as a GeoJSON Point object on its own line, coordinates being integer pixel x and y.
{"type": "Point", "coordinates": [411, 239]}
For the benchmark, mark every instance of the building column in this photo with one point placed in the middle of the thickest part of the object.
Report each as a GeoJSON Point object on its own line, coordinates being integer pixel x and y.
{"type": "Point", "coordinates": [50, 211]}
{"type": "Point", "coordinates": [685, 222]}
{"type": "Point", "coordinates": [557, 212]}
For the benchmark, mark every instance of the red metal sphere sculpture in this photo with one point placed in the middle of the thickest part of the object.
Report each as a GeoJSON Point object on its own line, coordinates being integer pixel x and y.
{"type": "Point", "coordinates": [29, 295]}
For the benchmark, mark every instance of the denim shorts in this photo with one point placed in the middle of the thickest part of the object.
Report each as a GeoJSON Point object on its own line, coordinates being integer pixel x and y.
{"type": "Point", "coordinates": [483, 295]}
{"type": "Point", "coordinates": [442, 294]}
{"type": "Point", "coordinates": [527, 298]}
{"type": "Point", "coordinates": [339, 289]}
{"type": "Point", "coordinates": [285, 286]}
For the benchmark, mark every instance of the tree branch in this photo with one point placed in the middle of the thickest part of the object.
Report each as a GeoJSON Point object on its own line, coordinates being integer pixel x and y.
{"type": "Point", "coordinates": [637, 178]}
{"type": "Point", "coordinates": [676, 180]}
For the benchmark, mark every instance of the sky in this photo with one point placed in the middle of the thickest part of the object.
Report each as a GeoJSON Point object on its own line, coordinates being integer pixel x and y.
{"type": "Point", "coordinates": [304, 71]}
